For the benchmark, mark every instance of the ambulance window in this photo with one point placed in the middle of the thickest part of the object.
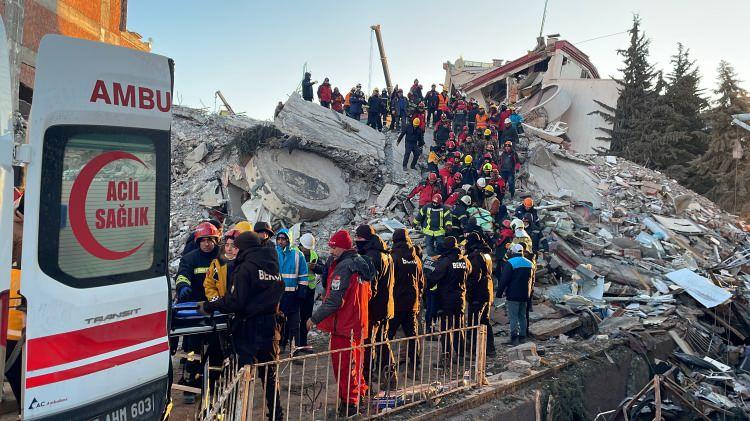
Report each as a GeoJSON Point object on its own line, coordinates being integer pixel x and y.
{"type": "Point", "coordinates": [104, 205]}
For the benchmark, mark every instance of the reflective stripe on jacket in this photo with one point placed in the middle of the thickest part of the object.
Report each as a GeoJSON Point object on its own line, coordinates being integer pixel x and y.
{"type": "Point", "coordinates": [433, 220]}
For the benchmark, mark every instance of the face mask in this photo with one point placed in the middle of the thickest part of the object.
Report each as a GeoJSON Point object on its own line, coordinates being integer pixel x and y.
{"type": "Point", "coordinates": [361, 246]}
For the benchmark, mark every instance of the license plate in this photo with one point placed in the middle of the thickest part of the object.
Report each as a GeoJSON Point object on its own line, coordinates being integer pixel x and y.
{"type": "Point", "coordinates": [138, 410]}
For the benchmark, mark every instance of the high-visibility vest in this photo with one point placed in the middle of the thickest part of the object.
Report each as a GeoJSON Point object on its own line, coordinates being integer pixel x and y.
{"type": "Point", "coordinates": [442, 102]}
{"type": "Point", "coordinates": [482, 121]}
{"type": "Point", "coordinates": [312, 280]}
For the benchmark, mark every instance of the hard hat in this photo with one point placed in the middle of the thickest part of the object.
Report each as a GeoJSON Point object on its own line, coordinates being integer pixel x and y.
{"type": "Point", "coordinates": [243, 226]}
{"type": "Point", "coordinates": [416, 122]}
{"type": "Point", "coordinates": [487, 132]}
{"type": "Point", "coordinates": [516, 224]}
{"type": "Point", "coordinates": [458, 177]}
{"type": "Point", "coordinates": [506, 223]}
{"type": "Point", "coordinates": [468, 159]}
{"type": "Point", "coordinates": [432, 177]}
{"type": "Point", "coordinates": [489, 189]}
{"type": "Point", "coordinates": [206, 230]}
{"type": "Point", "coordinates": [507, 121]}
{"type": "Point", "coordinates": [437, 198]}
{"type": "Point", "coordinates": [457, 155]}
{"type": "Point", "coordinates": [232, 233]}
{"type": "Point", "coordinates": [487, 167]}
{"type": "Point", "coordinates": [450, 144]}
{"type": "Point", "coordinates": [466, 200]}
{"type": "Point", "coordinates": [528, 202]}
{"type": "Point", "coordinates": [450, 161]}
{"type": "Point", "coordinates": [516, 248]}
{"type": "Point", "coordinates": [508, 143]}
{"type": "Point", "coordinates": [307, 240]}
{"type": "Point", "coordinates": [466, 187]}
{"type": "Point", "coordinates": [451, 135]}
{"type": "Point", "coordinates": [481, 182]}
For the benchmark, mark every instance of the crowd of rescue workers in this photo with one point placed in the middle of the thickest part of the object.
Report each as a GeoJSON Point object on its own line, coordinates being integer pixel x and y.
{"type": "Point", "coordinates": [476, 246]}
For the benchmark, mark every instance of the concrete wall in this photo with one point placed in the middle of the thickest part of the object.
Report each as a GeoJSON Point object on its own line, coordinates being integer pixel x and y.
{"type": "Point", "coordinates": [96, 20]}
{"type": "Point", "coordinates": [582, 127]}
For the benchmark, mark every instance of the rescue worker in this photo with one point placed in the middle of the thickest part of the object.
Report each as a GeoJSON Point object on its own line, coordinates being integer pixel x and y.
{"type": "Point", "coordinates": [348, 100]}
{"type": "Point", "coordinates": [325, 94]}
{"type": "Point", "coordinates": [190, 243]}
{"type": "Point", "coordinates": [216, 284]}
{"type": "Point", "coordinates": [443, 108]}
{"type": "Point", "coordinates": [468, 172]}
{"type": "Point", "coordinates": [307, 87]}
{"type": "Point", "coordinates": [408, 285]}
{"type": "Point", "coordinates": [374, 250]}
{"type": "Point", "coordinates": [374, 110]}
{"type": "Point", "coordinates": [527, 206]}
{"type": "Point", "coordinates": [416, 91]}
{"type": "Point", "coordinates": [477, 191]}
{"type": "Point", "coordinates": [414, 142]}
{"type": "Point", "coordinates": [427, 190]}
{"type": "Point", "coordinates": [314, 269]}
{"type": "Point", "coordinates": [343, 314]}
{"type": "Point", "coordinates": [491, 202]}
{"type": "Point", "coordinates": [385, 103]}
{"type": "Point", "coordinates": [520, 236]}
{"type": "Point", "coordinates": [516, 281]}
{"type": "Point", "coordinates": [431, 101]}
{"type": "Point", "coordinates": [471, 116]}
{"type": "Point", "coordinates": [460, 215]}
{"type": "Point", "coordinates": [433, 218]}
{"type": "Point", "coordinates": [254, 299]}
{"type": "Point", "coordinates": [356, 102]}
{"type": "Point", "coordinates": [509, 165]}
{"type": "Point", "coordinates": [509, 134]}
{"type": "Point", "coordinates": [293, 269]}
{"type": "Point", "coordinates": [435, 158]}
{"type": "Point", "coordinates": [189, 288]}
{"type": "Point", "coordinates": [442, 130]}
{"type": "Point", "coordinates": [265, 232]}
{"type": "Point", "coordinates": [452, 269]}
{"type": "Point", "coordinates": [516, 120]}
{"type": "Point", "coordinates": [481, 121]}
{"type": "Point", "coordinates": [479, 286]}
{"type": "Point", "coordinates": [337, 101]}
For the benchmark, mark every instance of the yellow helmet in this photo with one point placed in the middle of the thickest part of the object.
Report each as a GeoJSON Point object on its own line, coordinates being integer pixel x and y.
{"type": "Point", "coordinates": [416, 122]}
{"type": "Point", "coordinates": [487, 132]}
{"type": "Point", "coordinates": [468, 159]}
{"type": "Point", "coordinates": [243, 226]}
{"type": "Point", "coordinates": [489, 189]}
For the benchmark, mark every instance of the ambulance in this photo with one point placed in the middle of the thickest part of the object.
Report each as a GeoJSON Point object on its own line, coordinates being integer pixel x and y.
{"type": "Point", "coordinates": [93, 274]}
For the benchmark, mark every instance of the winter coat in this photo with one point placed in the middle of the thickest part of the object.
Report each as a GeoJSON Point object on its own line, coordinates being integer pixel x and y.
{"type": "Point", "coordinates": [451, 271]}
{"type": "Point", "coordinates": [481, 121]}
{"type": "Point", "coordinates": [468, 175]}
{"type": "Point", "coordinates": [409, 277]}
{"type": "Point", "coordinates": [355, 104]}
{"type": "Point", "coordinates": [433, 220]}
{"type": "Point", "coordinates": [337, 102]}
{"type": "Point", "coordinates": [425, 191]}
{"type": "Point", "coordinates": [431, 99]}
{"type": "Point", "coordinates": [345, 307]}
{"type": "Point", "coordinates": [521, 211]}
{"type": "Point", "coordinates": [377, 254]}
{"type": "Point", "coordinates": [509, 162]}
{"type": "Point", "coordinates": [324, 92]}
{"type": "Point", "coordinates": [256, 285]}
{"type": "Point", "coordinates": [443, 102]}
{"type": "Point", "coordinates": [510, 134]}
{"type": "Point", "coordinates": [479, 286]}
{"type": "Point", "coordinates": [375, 105]}
{"type": "Point", "coordinates": [219, 273]}
{"type": "Point", "coordinates": [414, 136]}
{"type": "Point", "coordinates": [293, 270]}
{"type": "Point", "coordinates": [192, 272]}
{"type": "Point", "coordinates": [442, 130]}
{"type": "Point", "coordinates": [459, 215]}
{"type": "Point", "coordinates": [516, 279]}
{"type": "Point", "coordinates": [307, 90]}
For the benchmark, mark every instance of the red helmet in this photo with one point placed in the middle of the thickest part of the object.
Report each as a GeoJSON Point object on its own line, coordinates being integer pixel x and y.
{"type": "Point", "coordinates": [487, 155]}
{"type": "Point", "coordinates": [437, 198]}
{"type": "Point", "coordinates": [206, 230]}
{"type": "Point", "coordinates": [432, 177]}
{"type": "Point", "coordinates": [466, 128]}
{"type": "Point", "coordinates": [451, 161]}
{"type": "Point", "coordinates": [450, 144]}
{"type": "Point", "coordinates": [233, 233]}
{"type": "Point", "coordinates": [451, 135]}
{"type": "Point", "coordinates": [457, 176]}
{"type": "Point", "coordinates": [457, 155]}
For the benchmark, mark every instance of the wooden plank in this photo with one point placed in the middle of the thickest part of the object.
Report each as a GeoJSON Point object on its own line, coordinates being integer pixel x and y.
{"type": "Point", "coordinates": [684, 346]}
{"type": "Point", "coordinates": [183, 388]}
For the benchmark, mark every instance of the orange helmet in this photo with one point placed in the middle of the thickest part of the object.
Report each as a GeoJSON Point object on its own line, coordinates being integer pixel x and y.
{"type": "Point", "coordinates": [528, 202]}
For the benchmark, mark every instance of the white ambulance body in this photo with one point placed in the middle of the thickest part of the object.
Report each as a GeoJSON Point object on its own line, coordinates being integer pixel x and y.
{"type": "Point", "coordinates": [96, 218]}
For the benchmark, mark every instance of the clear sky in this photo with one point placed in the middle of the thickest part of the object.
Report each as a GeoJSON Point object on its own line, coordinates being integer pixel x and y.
{"type": "Point", "coordinates": [254, 51]}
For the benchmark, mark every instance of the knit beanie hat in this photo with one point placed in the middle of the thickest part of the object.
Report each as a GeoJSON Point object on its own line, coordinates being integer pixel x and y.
{"type": "Point", "coordinates": [366, 232]}
{"type": "Point", "coordinates": [341, 239]}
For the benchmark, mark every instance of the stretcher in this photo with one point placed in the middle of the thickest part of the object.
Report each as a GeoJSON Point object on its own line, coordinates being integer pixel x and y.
{"type": "Point", "coordinates": [186, 320]}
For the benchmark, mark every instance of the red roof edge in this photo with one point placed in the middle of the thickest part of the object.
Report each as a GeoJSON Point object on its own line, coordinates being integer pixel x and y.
{"type": "Point", "coordinates": [579, 55]}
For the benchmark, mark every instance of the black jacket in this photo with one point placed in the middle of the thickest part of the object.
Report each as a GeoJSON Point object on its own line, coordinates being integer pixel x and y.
{"type": "Point", "coordinates": [375, 105]}
{"type": "Point", "coordinates": [451, 270]}
{"type": "Point", "coordinates": [377, 255]}
{"type": "Point", "coordinates": [256, 285]}
{"type": "Point", "coordinates": [431, 99]}
{"type": "Point", "coordinates": [509, 134]}
{"type": "Point", "coordinates": [409, 277]}
{"type": "Point", "coordinates": [521, 211]}
{"type": "Point", "coordinates": [516, 279]}
{"type": "Point", "coordinates": [307, 89]}
{"type": "Point", "coordinates": [479, 286]}
{"type": "Point", "coordinates": [192, 270]}
{"type": "Point", "coordinates": [414, 135]}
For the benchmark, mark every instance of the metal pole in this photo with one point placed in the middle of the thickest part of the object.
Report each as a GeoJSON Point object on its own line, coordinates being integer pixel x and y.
{"type": "Point", "coordinates": [544, 17]}
{"type": "Point", "coordinates": [383, 59]}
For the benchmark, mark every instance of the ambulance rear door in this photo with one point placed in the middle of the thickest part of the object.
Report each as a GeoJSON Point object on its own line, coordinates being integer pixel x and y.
{"type": "Point", "coordinates": [95, 233]}
{"type": "Point", "coordinates": [6, 187]}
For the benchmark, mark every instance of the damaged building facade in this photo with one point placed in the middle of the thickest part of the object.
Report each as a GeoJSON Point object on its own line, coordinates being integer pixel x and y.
{"type": "Point", "coordinates": [553, 86]}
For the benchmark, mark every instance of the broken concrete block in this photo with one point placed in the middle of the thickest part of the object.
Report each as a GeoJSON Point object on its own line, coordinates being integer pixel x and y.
{"type": "Point", "coordinates": [297, 186]}
{"type": "Point", "coordinates": [196, 155]}
{"type": "Point", "coordinates": [534, 360]}
{"type": "Point", "coordinates": [545, 329]}
{"type": "Point", "coordinates": [519, 366]}
{"type": "Point", "coordinates": [522, 351]}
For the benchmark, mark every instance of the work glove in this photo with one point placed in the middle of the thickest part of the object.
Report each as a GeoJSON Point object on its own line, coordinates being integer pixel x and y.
{"type": "Point", "coordinates": [201, 308]}
{"type": "Point", "coordinates": [184, 292]}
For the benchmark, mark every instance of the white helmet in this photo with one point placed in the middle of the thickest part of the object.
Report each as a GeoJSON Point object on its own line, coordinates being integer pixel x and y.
{"type": "Point", "coordinates": [482, 182]}
{"type": "Point", "coordinates": [466, 200]}
{"type": "Point", "coordinates": [507, 121]}
{"type": "Point", "coordinates": [308, 241]}
{"type": "Point", "coordinates": [516, 224]}
{"type": "Point", "coordinates": [466, 187]}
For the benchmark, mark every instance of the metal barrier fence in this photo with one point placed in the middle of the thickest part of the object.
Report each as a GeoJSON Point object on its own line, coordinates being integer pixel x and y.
{"type": "Point", "coordinates": [444, 362]}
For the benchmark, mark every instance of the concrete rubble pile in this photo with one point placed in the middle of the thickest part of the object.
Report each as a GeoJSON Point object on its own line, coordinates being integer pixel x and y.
{"type": "Point", "coordinates": [633, 255]}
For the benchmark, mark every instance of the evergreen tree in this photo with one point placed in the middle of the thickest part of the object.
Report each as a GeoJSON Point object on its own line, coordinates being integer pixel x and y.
{"type": "Point", "coordinates": [717, 174]}
{"type": "Point", "coordinates": [637, 96]}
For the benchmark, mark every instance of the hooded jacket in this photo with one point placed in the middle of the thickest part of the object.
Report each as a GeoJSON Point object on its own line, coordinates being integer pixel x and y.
{"type": "Point", "coordinates": [344, 311]}
{"type": "Point", "coordinates": [451, 271]}
{"type": "Point", "coordinates": [293, 270]}
{"type": "Point", "coordinates": [376, 253]}
{"type": "Point", "coordinates": [324, 92]}
{"type": "Point", "coordinates": [517, 278]}
{"type": "Point", "coordinates": [307, 90]}
{"type": "Point", "coordinates": [479, 287]}
{"type": "Point", "coordinates": [409, 276]}
{"type": "Point", "coordinates": [256, 285]}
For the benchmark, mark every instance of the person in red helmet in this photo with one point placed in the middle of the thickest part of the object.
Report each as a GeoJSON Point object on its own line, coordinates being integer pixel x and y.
{"type": "Point", "coordinates": [509, 164]}
{"type": "Point", "coordinates": [463, 135]}
{"type": "Point", "coordinates": [442, 130]}
{"type": "Point", "coordinates": [433, 220]}
{"type": "Point", "coordinates": [453, 183]}
{"type": "Point", "coordinates": [344, 315]}
{"type": "Point", "coordinates": [447, 171]}
{"type": "Point", "coordinates": [427, 189]}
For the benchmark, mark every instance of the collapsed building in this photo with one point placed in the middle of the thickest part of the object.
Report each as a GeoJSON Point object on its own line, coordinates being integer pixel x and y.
{"type": "Point", "coordinates": [554, 87]}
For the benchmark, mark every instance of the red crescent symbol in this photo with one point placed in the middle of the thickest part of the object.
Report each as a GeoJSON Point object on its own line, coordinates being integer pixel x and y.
{"type": "Point", "coordinates": [77, 206]}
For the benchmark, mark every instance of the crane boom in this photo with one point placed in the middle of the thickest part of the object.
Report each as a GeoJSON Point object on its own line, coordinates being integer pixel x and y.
{"type": "Point", "coordinates": [383, 60]}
